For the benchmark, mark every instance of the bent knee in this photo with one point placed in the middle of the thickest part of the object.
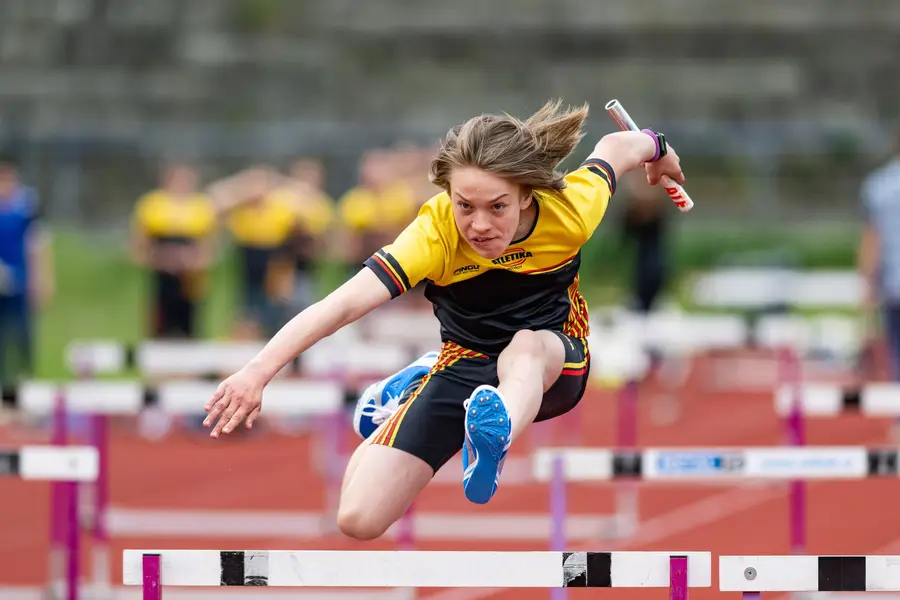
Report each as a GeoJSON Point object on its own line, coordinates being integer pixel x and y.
{"type": "Point", "coordinates": [539, 344]}
{"type": "Point", "coordinates": [360, 523]}
{"type": "Point", "coordinates": [528, 341]}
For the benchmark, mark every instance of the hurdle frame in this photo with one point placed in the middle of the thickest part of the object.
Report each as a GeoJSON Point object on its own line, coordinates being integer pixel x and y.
{"type": "Point", "coordinates": [721, 464]}
{"type": "Point", "coordinates": [676, 571]}
{"type": "Point", "coordinates": [753, 575]}
{"type": "Point", "coordinates": [64, 467]}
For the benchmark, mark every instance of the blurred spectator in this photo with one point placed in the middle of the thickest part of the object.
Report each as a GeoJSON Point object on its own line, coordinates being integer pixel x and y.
{"type": "Point", "coordinates": [260, 227]}
{"type": "Point", "coordinates": [172, 236]}
{"type": "Point", "coordinates": [311, 239]}
{"type": "Point", "coordinates": [26, 275]}
{"type": "Point", "coordinates": [644, 229]}
{"type": "Point", "coordinates": [879, 251]}
{"type": "Point", "coordinates": [413, 164]}
{"type": "Point", "coordinates": [376, 211]}
{"type": "Point", "coordinates": [278, 224]}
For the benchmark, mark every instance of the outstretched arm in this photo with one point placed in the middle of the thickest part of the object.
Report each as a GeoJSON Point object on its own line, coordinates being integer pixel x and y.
{"type": "Point", "coordinates": [240, 396]}
{"type": "Point", "coordinates": [361, 294]}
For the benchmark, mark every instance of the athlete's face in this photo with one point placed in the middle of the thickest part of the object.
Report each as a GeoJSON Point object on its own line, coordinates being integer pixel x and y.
{"type": "Point", "coordinates": [490, 211]}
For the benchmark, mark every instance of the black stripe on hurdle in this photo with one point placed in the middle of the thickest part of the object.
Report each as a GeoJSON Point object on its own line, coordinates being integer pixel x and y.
{"type": "Point", "coordinates": [882, 462]}
{"type": "Point", "coordinates": [240, 568]}
{"type": "Point", "coordinates": [587, 569]}
{"type": "Point", "coordinates": [627, 464]}
{"type": "Point", "coordinates": [9, 395]}
{"type": "Point", "coordinates": [9, 463]}
{"type": "Point", "coordinates": [852, 400]}
{"type": "Point", "coordinates": [842, 573]}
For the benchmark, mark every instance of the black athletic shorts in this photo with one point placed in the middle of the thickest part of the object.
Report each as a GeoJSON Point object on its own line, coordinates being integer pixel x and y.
{"type": "Point", "coordinates": [430, 423]}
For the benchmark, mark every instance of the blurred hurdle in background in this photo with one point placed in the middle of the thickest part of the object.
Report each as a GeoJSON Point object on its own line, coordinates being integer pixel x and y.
{"type": "Point", "coordinates": [753, 575]}
{"type": "Point", "coordinates": [560, 466]}
{"type": "Point", "coordinates": [66, 467]}
{"type": "Point", "coordinates": [155, 569]}
{"type": "Point", "coordinates": [102, 399]}
{"type": "Point", "coordinates": [795, 402]}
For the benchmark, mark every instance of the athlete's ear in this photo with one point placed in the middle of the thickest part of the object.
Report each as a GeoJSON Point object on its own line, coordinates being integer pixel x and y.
{"type": "Point", "coordinates": [525, 196]}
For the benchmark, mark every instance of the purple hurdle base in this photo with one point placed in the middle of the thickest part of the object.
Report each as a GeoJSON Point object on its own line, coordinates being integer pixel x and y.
{"type": "Point", "coordinates": [751, 595]}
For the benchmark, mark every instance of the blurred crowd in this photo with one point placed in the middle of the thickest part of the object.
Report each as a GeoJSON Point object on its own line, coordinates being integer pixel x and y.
{"type": "Point", "coordinates": [282, 223]}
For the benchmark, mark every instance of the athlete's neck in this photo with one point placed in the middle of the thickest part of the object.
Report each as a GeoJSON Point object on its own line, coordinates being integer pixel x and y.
{"type": "Point", "coordinates": [526, 220]}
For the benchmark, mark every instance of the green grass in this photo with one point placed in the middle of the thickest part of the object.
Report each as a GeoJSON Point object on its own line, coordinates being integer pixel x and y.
{"type": "Point", "coordinates": [100, 295]}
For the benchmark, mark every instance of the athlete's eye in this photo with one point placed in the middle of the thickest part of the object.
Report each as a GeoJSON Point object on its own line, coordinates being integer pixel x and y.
{"type": "Point", "coordinates": [464, 205]}
{"type": "Point", "coordinates": [498, 207]}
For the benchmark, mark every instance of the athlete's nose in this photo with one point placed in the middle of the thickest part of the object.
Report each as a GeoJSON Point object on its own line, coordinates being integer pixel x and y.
{"type": "Point", "coordinates": [481, 225]}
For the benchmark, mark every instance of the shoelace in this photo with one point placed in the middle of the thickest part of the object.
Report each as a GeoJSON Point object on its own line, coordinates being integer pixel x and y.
{"type": "Point", "coordinates": [380, 414]}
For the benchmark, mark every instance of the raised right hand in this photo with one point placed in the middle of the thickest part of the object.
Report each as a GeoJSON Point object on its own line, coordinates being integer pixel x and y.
{"type": "Point", "coordinates": [669, 165]}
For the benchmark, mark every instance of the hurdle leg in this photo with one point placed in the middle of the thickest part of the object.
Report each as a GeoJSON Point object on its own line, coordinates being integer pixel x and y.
{"type": "Point", "coordinates": [57, 558]}
{"type": "Point", "coordinates": [73, 534]}
{"type": "Point", "coordinates": [558, 519]}
{"type": "Point", "coordinates": [626, 517]}
{"type": "Point", "coordinates": [152, 584]}
{"type": "Point", "coordinates": [100, 556]}
{"type": "Point", "coordinates": [791, 373]}
{"type": "Point", "coordinates": [678, 583]}
{"type": "Point", "coordinates": [751, 596]}
{"type": "Point", "coordinates": [335, 460]}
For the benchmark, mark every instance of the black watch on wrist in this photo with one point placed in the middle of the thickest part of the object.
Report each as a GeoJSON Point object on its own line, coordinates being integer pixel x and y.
{"type": "Point", "coordinates": [661, 146]}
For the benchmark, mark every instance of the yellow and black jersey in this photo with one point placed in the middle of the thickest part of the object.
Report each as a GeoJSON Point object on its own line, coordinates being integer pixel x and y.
{"type": "Point", "coordinates": [482, 303]}
{"type": "Point", "coordinates": [166, 219]}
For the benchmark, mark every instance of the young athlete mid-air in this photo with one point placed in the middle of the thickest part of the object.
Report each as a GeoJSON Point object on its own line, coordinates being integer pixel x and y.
{"type": "Point", "coordinates": [499, 251]}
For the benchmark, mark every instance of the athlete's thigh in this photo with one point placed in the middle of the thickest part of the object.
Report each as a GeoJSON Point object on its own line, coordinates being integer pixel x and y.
{"type": "Point", "coordinates": [569, 387]}
{"type": "Point", "coordinates": [430, 424]}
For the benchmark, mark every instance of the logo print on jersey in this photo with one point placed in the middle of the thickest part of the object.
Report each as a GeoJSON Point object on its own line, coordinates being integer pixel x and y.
{"type": "Point", "coordinates": [466, 269]}
{"type": "Point", "coordinates": [512, 258]}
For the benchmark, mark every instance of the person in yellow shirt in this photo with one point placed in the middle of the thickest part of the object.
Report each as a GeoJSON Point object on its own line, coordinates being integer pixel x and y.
{"type": "Point", "coordinates": [259, 225]}
{"type": "Point", "coordinates": [270, 217]}
{"type": "Point", "coordinates": [376, 210]}
{"type": "Point", "coordinates": [312, 239]}
{"type": "Point", "coordinates": [172, 236]}
{"type": "Point", "coordinates": [499, 248]}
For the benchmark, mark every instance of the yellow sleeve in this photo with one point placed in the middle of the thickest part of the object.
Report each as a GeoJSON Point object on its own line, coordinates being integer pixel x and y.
{"type": "Point", "coordinates": [588, 190]}
{"type": "Point", "coordinates": [420, 252]}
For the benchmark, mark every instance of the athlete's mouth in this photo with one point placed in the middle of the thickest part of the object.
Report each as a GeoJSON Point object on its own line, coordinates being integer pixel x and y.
{"type": "Point", "coordinates": [482, 241]}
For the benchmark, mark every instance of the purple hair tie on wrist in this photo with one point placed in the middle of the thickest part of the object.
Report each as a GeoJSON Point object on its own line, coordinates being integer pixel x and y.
{"type": "Point", "coordinates": [653, 135]}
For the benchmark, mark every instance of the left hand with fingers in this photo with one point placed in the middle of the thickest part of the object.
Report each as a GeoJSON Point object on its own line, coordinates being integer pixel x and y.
{"type": "Point", "coordinates": [238, 398]}
{"type": "Point", "coordinates": [669, 165]}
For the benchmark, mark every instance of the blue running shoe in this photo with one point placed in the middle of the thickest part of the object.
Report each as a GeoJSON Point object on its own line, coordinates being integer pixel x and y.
{"type": "Point", "coordinates": [487, 443]}
{"type": "Point", "coordinates": [381, 399]}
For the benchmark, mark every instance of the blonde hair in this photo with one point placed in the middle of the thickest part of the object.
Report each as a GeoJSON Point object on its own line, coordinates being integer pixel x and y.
{"type": "Point", "coordinates": [526, 152]}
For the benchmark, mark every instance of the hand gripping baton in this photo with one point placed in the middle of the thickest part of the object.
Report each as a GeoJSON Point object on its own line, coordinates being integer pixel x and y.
{"type": "Point", "coordinates": [675, 191]}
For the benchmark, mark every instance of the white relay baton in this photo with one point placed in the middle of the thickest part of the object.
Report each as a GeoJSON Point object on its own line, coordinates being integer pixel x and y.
{"type": "Point", "coordinates": [675, 191]}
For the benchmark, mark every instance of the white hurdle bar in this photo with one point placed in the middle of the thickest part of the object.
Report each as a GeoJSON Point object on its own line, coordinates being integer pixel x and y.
{"type": "Point", "coordinates": [67, 465]}
{"type": "Point", "coordinates": [877, 399]}
{"type": "Point", "coordinates": [155, 569]}
{"type": "Point", "coordinates": [103, 398]}
{"type": "Point", "coordinates": [560, 465]}
{"type": "Point", "coordinates": [753, 575]}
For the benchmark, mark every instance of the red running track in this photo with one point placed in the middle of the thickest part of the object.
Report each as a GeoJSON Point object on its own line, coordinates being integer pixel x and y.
{"type": "Point", "coordinates": [187, 470]}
